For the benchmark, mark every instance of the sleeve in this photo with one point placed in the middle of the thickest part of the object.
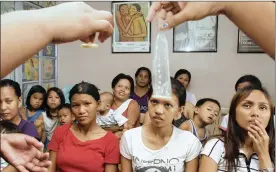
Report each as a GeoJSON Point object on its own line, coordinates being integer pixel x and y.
{"type": "Point", "coordinates": [224, 123]}
{"type": "Point", "coordinates": [29, 129]}
{"type": "Point", "coordinates": [213, 149]}
{"type": "Point", "coordinates": [120, 119]}
{"type": "Point", "coordinates": [195, 148]}
{"type": "Point", "coordinates": [54, 143]}
{"type": "Point", "coordinates": [124, 146]}
{"type": "Point", "coordinates": [112, 154]}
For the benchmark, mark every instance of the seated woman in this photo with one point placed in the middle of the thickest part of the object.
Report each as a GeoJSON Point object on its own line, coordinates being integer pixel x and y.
{"type": "Point", "coordinates": [184, 76]}
{"type": "Point", "coordinates": [84, 146]}
{"type": "Point", "coordinates": [249, 142]}
{"type": "Point", "coordinates": [122, 86]}
{"type": "Point", "coordinates": [159, 146]}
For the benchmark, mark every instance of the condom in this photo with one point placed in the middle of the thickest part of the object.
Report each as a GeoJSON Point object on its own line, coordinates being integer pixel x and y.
{"type": "Point", "coordinates": [161, 82]}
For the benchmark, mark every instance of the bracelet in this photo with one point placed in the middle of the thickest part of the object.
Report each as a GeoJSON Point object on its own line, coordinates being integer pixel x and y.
{"type": "Point", "coordinates": [266, 170]}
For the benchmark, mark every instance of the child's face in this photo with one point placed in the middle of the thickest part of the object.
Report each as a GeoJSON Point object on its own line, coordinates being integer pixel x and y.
{"type": "Point", "coordinates": [208, 112]}
{"type": "Point", "coordinates": [104, 105]}
{"type": "Point", "coordinates": [53, 100]}
{"type": "Point", "coordinates": [9, 104]}
{"type": "Point", "coordinates": [36, 100]}
{"type": "Point", "coordinates": [65, 116]}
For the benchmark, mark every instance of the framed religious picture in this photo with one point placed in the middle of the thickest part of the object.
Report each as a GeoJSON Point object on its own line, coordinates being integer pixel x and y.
{"type": "Point", "coordinates": [246, 45]}
{"type": "Point", "coordinates": [196, 36]}
{"type": "Point", "coordinates": [30, 70]}
{"type": "Point", "coordinates": [131, 31]}
{"type": "Point", "coordinates": [48, 68]}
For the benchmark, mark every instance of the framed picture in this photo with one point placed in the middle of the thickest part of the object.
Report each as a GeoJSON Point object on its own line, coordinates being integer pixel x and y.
{"type": "Point", "coordinates": [25, 90]}
{"type": "Point", "coordinates": [246, 45]}
{"type": "Point", "coordinates": [49, 50]}
{"type": "Point", "coordinates": [7, 6]}
{"type": "Point", "coordinates": [131, 31]}
{"type": "Point", "coordinates": [30, 70]}
{"type": "Point", "coordinates": [196, 36]}
{"type": "Point", "coordinates": [48, 85]}
{"type": "Point", "coordinates": [48, 68]}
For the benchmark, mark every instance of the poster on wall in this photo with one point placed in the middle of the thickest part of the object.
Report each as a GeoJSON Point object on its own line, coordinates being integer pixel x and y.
{"type": "Point", "coordinates": [25, 90]}
{"type": "Point", "coordinates": [246, 45]}
{"type": "Point", "coordinates": [196, 36]}
{"type": "Point", "coordinates": [49, 50]}
{"type": "Point", "coordinates": [48, 68]}
{"type": "Point", "coordinates": [131, 31]}
{"type": "Point", "coordinates": [48, 85]}
{"type": "Point", "coordinates": [30, 69]}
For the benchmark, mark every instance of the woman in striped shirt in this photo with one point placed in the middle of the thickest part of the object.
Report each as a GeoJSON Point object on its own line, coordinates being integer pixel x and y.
{"type": "Point", "coordinates": [249, 143]}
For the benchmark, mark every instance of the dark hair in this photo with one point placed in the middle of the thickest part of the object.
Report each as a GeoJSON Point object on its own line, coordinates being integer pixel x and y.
{"type": "Point", "coordinates": [121, 5]}
{"type": "Point", "coordinates": [253, 80]}
{"type": "Point", "coordinates": [178, 89]}
{"type": "Point", "coordinates": [7, 127]}
{"type": "Point", "coordinates": [183, 71]}
{"type": "Point", "coordinates": [64, 106]}
{"type": "Point", "coordinates": [33, 90]}
{"type": "Point", "coordinates": [61, 96]}
{"type": "Point", "coordinates": [123, 76]}
{"type": "Point", "coordinates": [85, 88]}
{"type": "Point", "coordinates": [145, 69]}
{"type": "Point", "coordinates": [204, 100]}
{"type": "Point", "coordinates": [138, 7]}
{"type": "Point", "coordinates": [235, 134]}
{"type": "Point", "coordinates": [13, 84]}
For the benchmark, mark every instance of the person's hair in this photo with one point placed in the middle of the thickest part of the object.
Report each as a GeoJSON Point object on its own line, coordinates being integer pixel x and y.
{"type": "Point", "coordinates": [178, 90]}
{"type": "Point", "coordinates": [61, 96]}
{"type": "Point", "coordinates": [253, 80]}
{"type": "Point", "coordinates": [121, 5]}
{"type": "Point", "coordinates": [144, 69]}
{"type": "Point", "coordinates": [7, 127]}
{"type": "Point", "coordinates": [235, 136]}
{"type": "Point", "coordinates": [33, 90]}
{"type": "Point", "coordinates": [204, 100]}
{"type": "Point", "coordinates": [138, 7]}
{"type": "Point", "coordinates": [65, 106]}
{"type": "Point", "coordinates": [123, 76]}
{"type": "Point", "coordinates": [85, 88]}
{"type": "Point", "coordinates": [183, 71]}
{"type": "Point", "coordinates": [12, 84]}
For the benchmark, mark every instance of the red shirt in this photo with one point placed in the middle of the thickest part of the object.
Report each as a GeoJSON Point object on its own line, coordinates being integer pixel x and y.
{"type": "Point", "coordinates": [74, 155]}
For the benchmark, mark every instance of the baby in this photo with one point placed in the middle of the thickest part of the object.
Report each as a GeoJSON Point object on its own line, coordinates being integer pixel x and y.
{"type": "Point", "coordinates": [65, 115]}
{"type": "Point", "coordinates": [105, 115]}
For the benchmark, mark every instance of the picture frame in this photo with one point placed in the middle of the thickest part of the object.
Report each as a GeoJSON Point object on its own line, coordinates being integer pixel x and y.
{"type": "Point", "coordinates": [30, 69]}
{"type": "Point", "coordinates": [246, 45]}
{"type": "Point", "coordinates": [196, 36]}
{"type": "Point", "coordinates": [49, 50]}
{"type": "Point", "coordinates": [132, 34]}
{"type": "Point", "coordinates": [48, 69]}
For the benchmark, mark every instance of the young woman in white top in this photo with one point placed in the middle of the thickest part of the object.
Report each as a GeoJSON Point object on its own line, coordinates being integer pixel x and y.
{"type": "Point", "coordinates": [159, 145]}
{"type": "Point", "coordinates": [249, 143]}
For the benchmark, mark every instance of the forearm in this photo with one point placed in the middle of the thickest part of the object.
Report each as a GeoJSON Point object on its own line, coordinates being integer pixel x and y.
{"type": "Point", "coordinates": [257, 20]}
{"type": "Point", "coordinates": [25, 30]}
{"type": "Point", "coordinates": [265, 161]}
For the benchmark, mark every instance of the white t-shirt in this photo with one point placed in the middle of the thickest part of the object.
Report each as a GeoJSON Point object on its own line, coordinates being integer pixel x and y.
{"type": "Point", "coordinates": [111, 119]}
{"type": "Point", "coordinates": [182, 147]}
{"type": "Point", "coordinates": [224, 122]}
{"type": "Point", "coordinates": [215, 149]}
{"type": "Point", "coordinates": [50, 125]}
{"type": "Point", "coordinates": [190, 97]}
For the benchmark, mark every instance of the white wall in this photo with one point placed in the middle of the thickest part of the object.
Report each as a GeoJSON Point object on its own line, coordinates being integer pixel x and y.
{"type": "Point", "coordinates": [213, 74]}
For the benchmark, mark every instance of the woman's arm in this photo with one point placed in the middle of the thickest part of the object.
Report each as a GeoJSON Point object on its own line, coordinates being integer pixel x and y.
{"type": "Point", "coordinates": [53, 157]}
{"type": "Point", "coordinates": [192, 166]}
{"type": "Point", "coordinates": [110, 168]}
{"type": "Point", "coordinates": [207, 163]}
{"type": "Point", "coordinates": [133, 114]}
{"type": "Point", "coordinates": [126, 164]}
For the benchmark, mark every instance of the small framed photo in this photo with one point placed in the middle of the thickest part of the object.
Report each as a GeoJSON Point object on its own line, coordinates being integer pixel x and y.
{"type": "Point", "coordinates": [30, 70]}
{"type": "Point", "coordinates": [246, 45]}
{"type": "Point", "coordinates": [48, 68]}
{"type": "Point", "coordinates": [196, 36]}
{"type": "Point", "coordinates": [131, 31]}
{"type": "Point", "coordinates": [49, 50]}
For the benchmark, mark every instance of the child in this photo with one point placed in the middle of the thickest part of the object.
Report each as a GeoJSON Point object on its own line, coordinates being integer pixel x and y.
{"type": "Point", "coordinates": [65, 115]}
{"type": "Point", "coordinates": [105, 116]}
{"type": "Point", "coordinates": [206, 113]}
{"type": "Point", "coordinates": [34, 109]}
{"type": "Point", "coordinates": [9, 109]}
{"type": "Point", "coordinates": [54, 99]}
